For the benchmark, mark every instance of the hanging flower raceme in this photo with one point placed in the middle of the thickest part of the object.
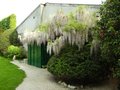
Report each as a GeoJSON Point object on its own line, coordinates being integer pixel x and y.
{"type": "Point", "coordinates": [58, 22]}
{"type": "Point", "coordinates": [29, 37]}
{"type": "Point", "coordinates": [86, 16]}
{"type": "Point", "coordinates": [56, 45]}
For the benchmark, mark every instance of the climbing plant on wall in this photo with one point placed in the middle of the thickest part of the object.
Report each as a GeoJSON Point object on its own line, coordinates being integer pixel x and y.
{"type": "Point", "coordinates": [72, 28]}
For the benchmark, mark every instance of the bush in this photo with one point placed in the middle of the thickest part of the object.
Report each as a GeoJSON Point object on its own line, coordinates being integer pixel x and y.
{"type": "Point", "coordinates": [14, 40]}
{"type": "Point", "coordinates": [4, 41]}
{"type": "Point", "coordinates": [72, 65]}
{"type": "Point", "coordinates": [15, 50]}
{"type": "Point", "coordinates": [22, 53]}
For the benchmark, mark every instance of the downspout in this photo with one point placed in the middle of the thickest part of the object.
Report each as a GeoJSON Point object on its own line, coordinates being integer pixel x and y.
{"type": "Point", "coordinates": [42, 60]}
{"type": "Point", "coordinates": [42, 11]}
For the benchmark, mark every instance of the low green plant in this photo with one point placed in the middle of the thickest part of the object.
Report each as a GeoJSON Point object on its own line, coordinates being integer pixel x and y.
{"type": "Point", "coordinates": [13, 50]}
{"type": "Point", "coordinates": [19, 52]}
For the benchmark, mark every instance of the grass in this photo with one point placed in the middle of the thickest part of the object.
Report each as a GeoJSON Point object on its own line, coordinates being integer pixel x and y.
{"type": "Point", "coordinates": [10, 75]}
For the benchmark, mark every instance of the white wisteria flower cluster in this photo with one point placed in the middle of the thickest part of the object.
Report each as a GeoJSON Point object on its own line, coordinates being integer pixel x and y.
{"type": "Point", "coordinates": [72, 28]}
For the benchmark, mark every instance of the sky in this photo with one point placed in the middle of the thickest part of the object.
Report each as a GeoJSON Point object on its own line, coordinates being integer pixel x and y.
{"type": "Point", "coordinates": [22, 8]}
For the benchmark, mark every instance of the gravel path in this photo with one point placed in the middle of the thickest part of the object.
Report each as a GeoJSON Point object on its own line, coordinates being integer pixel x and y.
{"type": "Point", "coordinates": [37, 79]}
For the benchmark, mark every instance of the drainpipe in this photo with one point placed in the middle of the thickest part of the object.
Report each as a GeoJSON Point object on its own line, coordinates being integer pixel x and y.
{"type": "Point", "coordinates": [42, 11]}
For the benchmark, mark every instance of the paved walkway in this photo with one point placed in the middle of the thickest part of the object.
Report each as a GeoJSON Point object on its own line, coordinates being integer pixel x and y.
{"type": "Point", "coordinates": [37, 79]}
{"type": "Point", "coordinates": [41, 79]}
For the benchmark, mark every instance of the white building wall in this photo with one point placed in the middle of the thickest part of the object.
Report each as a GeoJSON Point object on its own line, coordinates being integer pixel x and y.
{"type": "Point", "coordinates": [51, 9]}
{"type": "Point", "coordinates": [44, 13]}
{"type": "Point", "coordinates": [31, 22]}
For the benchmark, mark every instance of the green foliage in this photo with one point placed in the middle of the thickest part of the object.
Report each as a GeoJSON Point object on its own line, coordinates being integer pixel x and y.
{"type": "Point", "coordinates": [15, 50]}
{"type": "Point", "coordinates": [10, 75]}
{"type": "Point", "coordinates": [109, 34]}
{"type": "Point", "coordinates": [74, 65]}
{"type": "Point", "coordinates": [13, 38]}
{"type": "Point", "coordinates": [22, 54]}
{"type": "Point", "coordinates": [5, 44]}
{"type": "Point", "coordinates": [116, 73]}
{"type": "Point", "coordinates": [74, 25]}
{"type": "Point", "coordinates": [117, 70]}
{"type": "Point", "coordinates": [4, 24]}
{"type": "Point", "coordinates": [4, 41]}
{"type": "Point", "coordinates": [12, 21]}
{"type": "Point", "coordinates": [109, 29]}
{"type": "Point", "coordinates": [44, 27]}
{"type": "Point", "coordinates": [7, 27]}
{"type": "Point", "coordinates": [8, 22]}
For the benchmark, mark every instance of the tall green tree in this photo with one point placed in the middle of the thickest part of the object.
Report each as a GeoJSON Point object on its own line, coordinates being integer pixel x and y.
{"type": "Point", "coordinates": [8, 22]}
{"type": "Point", "coordinates": [109, 29]}
{"type": "Point", "coordinates": [7, 27]}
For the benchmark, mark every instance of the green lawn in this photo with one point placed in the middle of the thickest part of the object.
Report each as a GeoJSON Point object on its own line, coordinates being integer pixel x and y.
{"type": "Point", "coordinates": [10, 75]}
